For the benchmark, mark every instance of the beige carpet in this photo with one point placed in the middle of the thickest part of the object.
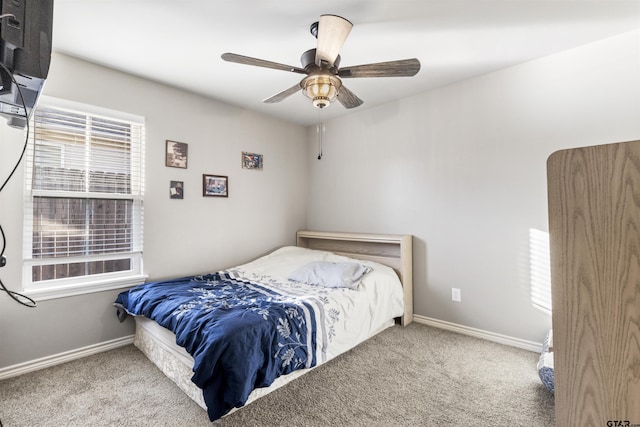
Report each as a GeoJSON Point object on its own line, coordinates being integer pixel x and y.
{"type": "Point", "coordinates": [413, 376]}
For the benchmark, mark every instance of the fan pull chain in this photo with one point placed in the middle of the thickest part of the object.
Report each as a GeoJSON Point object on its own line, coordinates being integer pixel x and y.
{"type": "Point", "coordinates": [320, 130]}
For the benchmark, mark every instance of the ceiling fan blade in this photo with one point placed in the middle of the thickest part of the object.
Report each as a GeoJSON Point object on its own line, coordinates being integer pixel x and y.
{"type": "Point", "coordinates": [400, 68]}
{"type": "Point", "coordinates": [247, 60]}
{"type": "Point", "coordinates": [332, 33]}
{"type": "Point", "coordinates": [347, 98]}
{"type": "Point", "coordinates": [282, 95]}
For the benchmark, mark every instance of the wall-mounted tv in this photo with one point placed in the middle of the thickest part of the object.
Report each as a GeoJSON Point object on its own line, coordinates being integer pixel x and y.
{"type": "Point", "coordinates": [25, 55]}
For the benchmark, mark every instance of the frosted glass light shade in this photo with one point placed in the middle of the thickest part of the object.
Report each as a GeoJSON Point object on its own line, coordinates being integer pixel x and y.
{"type": "Point", "coordinates": [322, 89]}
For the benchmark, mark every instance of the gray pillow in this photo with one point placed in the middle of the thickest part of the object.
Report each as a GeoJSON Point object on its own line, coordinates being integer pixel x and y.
{"type": "Point", "coordinates": [331, 274]}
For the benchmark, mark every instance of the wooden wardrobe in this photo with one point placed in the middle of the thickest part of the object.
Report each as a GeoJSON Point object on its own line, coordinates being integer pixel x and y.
{"type": "Point", "coordinates": [594, 228]}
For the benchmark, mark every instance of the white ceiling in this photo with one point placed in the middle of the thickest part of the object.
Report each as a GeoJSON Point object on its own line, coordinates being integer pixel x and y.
{"type": "Point", "coordinates": [180, 42]}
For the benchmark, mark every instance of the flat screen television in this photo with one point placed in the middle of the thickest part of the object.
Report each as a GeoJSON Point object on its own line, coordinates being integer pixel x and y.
{"type": "Point", "coordinates": [25, 53]}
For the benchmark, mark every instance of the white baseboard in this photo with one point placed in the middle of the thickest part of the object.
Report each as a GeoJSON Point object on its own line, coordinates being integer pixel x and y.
{"type": "Point", "coordinates": [479, 333]}
{"type": "Point", "coordinates": [67, 356]}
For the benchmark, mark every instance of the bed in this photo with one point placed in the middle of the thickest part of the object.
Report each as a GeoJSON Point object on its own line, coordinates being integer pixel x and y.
{"type": "Point", "coordinates": [301, 305]}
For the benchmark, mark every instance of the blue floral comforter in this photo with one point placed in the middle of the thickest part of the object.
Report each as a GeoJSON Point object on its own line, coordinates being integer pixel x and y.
{"type": "Point", "coordinates": [240, 334]}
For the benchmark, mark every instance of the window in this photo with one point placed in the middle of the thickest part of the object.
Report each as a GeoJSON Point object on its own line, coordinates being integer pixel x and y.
{"type": "Point", "coordinates": [84, 200]}
{"type": "Point", "coordinates": [540, 269]}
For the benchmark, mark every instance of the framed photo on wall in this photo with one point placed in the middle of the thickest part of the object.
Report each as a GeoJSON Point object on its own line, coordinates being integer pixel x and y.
{"type": "Point", "coordinates": [176, 189]}
{"type": "Point", "coordinates": [215, 185]}
{"type": "Point", "coordinates": [177, 154]}
{"type": "Point", "coordinates": [251, 161]}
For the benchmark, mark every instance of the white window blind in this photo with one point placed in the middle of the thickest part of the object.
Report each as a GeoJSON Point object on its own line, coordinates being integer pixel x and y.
{"type": "Point", "coordinates": [84, 198]}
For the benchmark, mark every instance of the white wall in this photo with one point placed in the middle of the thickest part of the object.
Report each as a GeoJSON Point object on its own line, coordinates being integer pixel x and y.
{"type": "Point", "coordinates": [196, 234]}
{"type": "Point", "coordinates": [463, 169]}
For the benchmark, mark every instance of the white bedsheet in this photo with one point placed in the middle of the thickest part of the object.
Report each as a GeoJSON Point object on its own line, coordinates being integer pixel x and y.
{"type": "Point", "coordinates": [350, 316]}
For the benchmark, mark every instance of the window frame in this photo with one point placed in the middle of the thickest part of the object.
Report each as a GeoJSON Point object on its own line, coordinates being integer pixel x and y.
{"type": "Point", "coordinates": [88, 283]}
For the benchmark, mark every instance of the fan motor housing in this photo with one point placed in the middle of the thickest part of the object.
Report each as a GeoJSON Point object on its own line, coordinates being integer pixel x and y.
{"type": "Point", "coordinates": [308, 60]}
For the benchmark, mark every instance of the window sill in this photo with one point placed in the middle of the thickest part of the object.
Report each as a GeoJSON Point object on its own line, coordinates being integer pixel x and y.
{"type": "Point", "coordinates": [63, 291]}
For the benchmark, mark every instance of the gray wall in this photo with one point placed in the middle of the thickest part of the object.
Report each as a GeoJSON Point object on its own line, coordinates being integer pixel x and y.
{"type": "Point", "coordinates": [263, 211]}
{"type": "Point", "coordinates": [463, 169]}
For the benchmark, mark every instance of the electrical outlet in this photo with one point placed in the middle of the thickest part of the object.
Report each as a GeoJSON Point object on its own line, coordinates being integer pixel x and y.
{"type": "Point", "coordinates": [456, 295]}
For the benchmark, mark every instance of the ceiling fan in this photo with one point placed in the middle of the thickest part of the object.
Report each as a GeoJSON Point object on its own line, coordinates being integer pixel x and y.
{"type": "Point", "coordinates": [323, 83]}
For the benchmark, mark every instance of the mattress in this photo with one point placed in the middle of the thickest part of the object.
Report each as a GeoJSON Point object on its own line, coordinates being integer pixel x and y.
{"type": "Point", "coordinates": [348, 316]}
{"type": "Point", "coordinates": [158, 344]}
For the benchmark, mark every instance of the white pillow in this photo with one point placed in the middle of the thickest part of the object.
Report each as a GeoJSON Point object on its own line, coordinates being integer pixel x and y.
{"type": "Point", "coordinates": [331, 274]}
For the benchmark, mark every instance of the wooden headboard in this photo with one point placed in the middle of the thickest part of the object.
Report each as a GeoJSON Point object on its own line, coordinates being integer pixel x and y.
{"type": "Point", "coordinates": [395, 251]}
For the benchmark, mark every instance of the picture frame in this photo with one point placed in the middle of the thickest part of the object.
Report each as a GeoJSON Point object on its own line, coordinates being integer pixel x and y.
{"type": "Point", "coordinates": [252, 161]}
{"type": "Point", "coordinates": [176, 189]}
{"type": "Point", "coordinates": [215, 185]}
{"type": "Point", "coordinates": [176, 154]}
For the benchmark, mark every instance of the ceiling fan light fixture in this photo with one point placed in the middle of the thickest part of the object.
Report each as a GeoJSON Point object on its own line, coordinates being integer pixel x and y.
{"type": "Point", "coordinates": [322, 89]}
{"type": "Point", "coordinates": [321, 66]}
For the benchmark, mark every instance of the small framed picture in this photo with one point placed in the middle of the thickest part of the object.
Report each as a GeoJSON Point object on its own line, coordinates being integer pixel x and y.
{"type": "Point", "coordinates": [176, 154]}
{"type": "Point", "coordinates": [215, 186]}
{"type": "Point", "coordinates": [176, 190]}
{"type": "Point", "coordinates": [251, 161]}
